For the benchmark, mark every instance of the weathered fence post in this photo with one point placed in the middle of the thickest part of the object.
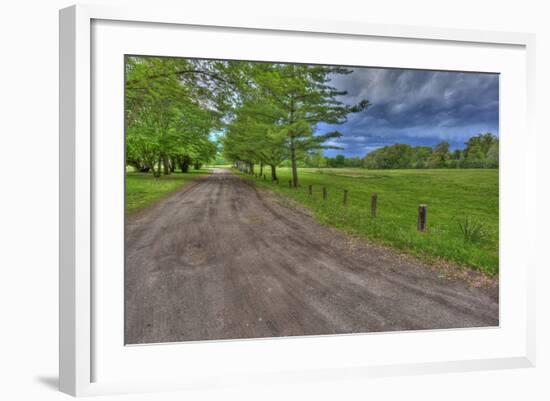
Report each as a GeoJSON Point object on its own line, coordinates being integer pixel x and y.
{"type": "Point", "coordinates": [373, 204]}
{"type": "Point", "coordinates": [310, 189]}
{"type": "Point", "coordinates": [422, 217]}
{"type": "Point", "coordinates": [345, 197]}
{"type": "Point", "coordinates": [324, 193]}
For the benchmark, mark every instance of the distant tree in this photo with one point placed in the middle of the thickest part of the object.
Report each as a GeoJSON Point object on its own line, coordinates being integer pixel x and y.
{"type": "Point", "coordinates": [493, 155]}
{"type": "Point", "coordinates": [315, 158]}
{"type": "Point", "coordinates": [390, 157]}
{"type": "Point", "coordinates": [420, 156]}
{"type": "Point", "coordinates": [439, 155]}
{"type": "Point", "coordinates": [220, 160]}
{"type": "Point", "coordinates": [477, 147]}
{"type": "Point", "coordinates": [352, 162]}
{"type": "Point", "coordinates": [475, 153]}
{"type": "Point", "coordinates": [337, 161]}
{"type": "Point", "coordinates": [340, 160]}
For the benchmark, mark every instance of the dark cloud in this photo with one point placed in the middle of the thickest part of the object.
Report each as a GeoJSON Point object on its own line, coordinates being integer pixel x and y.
{"type": "Point", "coordinates": [415, 107]}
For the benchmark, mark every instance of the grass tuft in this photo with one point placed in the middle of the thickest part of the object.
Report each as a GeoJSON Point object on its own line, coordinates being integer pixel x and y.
{"type": "Point", "coordinates": [472, 230]}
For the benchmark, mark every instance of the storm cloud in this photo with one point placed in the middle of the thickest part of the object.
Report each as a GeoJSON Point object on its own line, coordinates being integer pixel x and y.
{"type": "Point", "coordinates": [416, 107]}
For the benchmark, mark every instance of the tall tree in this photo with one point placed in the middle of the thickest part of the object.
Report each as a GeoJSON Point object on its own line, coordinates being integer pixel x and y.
{"type": "Point", "coordinates": [303, 96]}
{"type": "Point", "coordinates": [254, 135]}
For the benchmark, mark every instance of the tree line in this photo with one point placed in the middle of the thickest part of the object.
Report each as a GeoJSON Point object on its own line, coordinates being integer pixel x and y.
{"type": "Point", "coordinates": [171, 107]}
{"type": "Point", "coordinates": [480, 151]}
{"type": "Point", "coordinates": [267, 112]}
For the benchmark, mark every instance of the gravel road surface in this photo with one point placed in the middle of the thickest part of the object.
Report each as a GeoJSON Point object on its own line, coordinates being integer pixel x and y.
{"type": "Point", "coordinates": [219, 259]}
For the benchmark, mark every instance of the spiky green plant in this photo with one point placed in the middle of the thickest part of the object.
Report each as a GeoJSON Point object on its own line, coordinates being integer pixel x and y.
{"type": "Point", "coordinates": [472, 230]}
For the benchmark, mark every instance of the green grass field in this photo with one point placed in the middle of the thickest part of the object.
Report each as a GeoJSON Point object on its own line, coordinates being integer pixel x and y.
{"type": "Point", "coordinates": [142, 189]}
{"type": "Point", "coordinates": [452, 197]}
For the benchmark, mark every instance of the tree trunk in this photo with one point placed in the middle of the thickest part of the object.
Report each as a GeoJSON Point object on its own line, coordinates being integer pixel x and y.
{"type": "Point", "coordinates": [273, 172]}
{"type": "Point", "coordinates": [251, 168]}
{"type": "Point", "coordinates": [261, 168]}
{"type": "Point", "coordinates": [156, 172]}
{"type": "Point", "coordinates": [185, 161]}
{"type": "Point", "coordinates": [293, 163]}
{"type": "Point", "coordinates": [293, 147]}
{"type": "Point", "coordinates": [166, 164]}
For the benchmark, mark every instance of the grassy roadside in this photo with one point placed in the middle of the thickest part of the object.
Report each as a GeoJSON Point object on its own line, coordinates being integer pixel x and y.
{"type": "Point", "coordinates": [142, 189]}
{"type": "Point", "coordinates": [452, 196]}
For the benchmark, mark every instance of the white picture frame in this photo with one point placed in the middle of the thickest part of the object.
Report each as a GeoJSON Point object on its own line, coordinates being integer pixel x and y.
{"type": "Point", "coordinates": [79, 162]}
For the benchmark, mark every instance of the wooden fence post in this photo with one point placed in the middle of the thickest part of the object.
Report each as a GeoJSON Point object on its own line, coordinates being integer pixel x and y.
{"type": "Point", "coordinates": [310, 189]}
{"type": "Point", "coordinates": [324, 193]}
{"type": "Point", "coordinates": [345, 197]}
{"type": "Point", "coordinates": [373, 204]}
{"type": "Point", "coordinates": [422, 217]}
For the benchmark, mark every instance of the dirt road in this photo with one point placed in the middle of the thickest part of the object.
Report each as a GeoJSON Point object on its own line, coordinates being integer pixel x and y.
{"type": "Point", "coordinates": [219, 259]}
